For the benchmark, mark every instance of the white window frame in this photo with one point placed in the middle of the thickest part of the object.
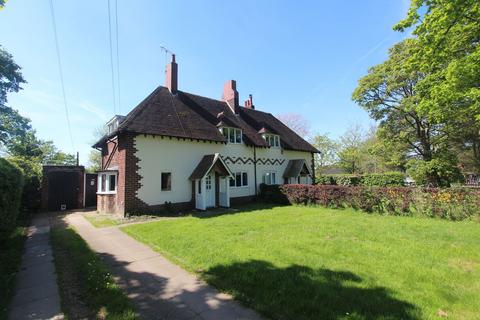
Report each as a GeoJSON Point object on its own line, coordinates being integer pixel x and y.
{"type": "Point", "coordinates": [242, 185]}
{"type": "Point", "coordinates": [171, 180]}
{"type": "Point", "coordinates": [232, 133]}
{"type": "Point", "coordinates": [270, 174]}
{"type": "Point", "coordinates": [273, 140]}
{"type": "Point", "coordinates": [107, 182]}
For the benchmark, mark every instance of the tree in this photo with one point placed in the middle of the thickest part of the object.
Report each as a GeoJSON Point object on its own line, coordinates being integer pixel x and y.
{"type": "Point", "coordinates": [350, 151]}
{"type": "Point", "coordinates": [296, 122]}
{"type": "Point", "coordinates": [11, 122]}
{"type": "Point", "coordinates": [389, 94]}
{"type": "Point", "coordinates": [94, 161]}
{"type": "Point", "coordinates": [95, 156]}
{"type": "Point", "coordinates": [448, 34]}
{"type": "Point", "coordinates": [328, 151]}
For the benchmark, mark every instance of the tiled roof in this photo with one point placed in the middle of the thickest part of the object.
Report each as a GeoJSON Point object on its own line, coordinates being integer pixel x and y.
{"type": "Point", "coordinates": [207, 162]}
{"type": "Point", "coordinates": [186, 115]}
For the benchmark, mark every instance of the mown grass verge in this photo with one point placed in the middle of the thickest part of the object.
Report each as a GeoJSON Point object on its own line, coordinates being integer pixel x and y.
{"type": "Point", "coordinates": [87, 289]}
{"type": "Point", "coordinates": [101, 221]}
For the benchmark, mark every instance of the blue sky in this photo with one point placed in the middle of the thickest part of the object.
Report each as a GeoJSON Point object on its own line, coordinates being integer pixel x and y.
{"type": "Point", "coordinates": [293, 56]}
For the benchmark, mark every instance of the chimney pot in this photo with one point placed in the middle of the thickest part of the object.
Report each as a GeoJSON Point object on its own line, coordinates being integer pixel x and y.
{"type": "Point", "coordinates": [171, 76]}
{"type": "Point", "coordinates": [249, 102]}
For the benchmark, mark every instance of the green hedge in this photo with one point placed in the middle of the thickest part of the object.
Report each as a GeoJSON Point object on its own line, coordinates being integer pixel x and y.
{"type": "Point", "coordinates": [450, 203]}
{"type": "Point", "coordinates": [11, 186]}
{"type": "Point", "coordinates": [392, 179]}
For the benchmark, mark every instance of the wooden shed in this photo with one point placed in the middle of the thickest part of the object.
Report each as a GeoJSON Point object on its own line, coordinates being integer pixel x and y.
{"type": "Point", "coordinates": [67, 188]}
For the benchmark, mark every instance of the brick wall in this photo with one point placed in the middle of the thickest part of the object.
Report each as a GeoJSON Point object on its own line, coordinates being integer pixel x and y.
{"type": "Point", "coordinates": [113, 157]}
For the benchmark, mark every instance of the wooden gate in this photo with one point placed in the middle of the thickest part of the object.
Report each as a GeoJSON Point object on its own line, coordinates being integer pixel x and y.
{"type": "Point", "coordinates": [63, 190]}
{"type": "Point", "coordinates": [90, 190]}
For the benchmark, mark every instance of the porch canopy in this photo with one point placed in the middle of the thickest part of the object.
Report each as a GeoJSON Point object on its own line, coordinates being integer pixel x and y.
{"type": "Point", "coordinates": [295, 168]}
{"type": "Point", "coordinates": [209, 162]}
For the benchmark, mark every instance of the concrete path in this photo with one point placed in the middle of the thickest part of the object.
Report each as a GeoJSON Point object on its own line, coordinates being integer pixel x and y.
{"type": "Point", "coordinates": [159, 288]}
{"type": "Point", "coordinates": [36, 292]}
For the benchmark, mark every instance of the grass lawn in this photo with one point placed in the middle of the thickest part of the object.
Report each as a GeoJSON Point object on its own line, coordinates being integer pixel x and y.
{"type": "Point", "coordinates": [101, 221]}
{"type": "Point", "coordinates": [11, 250]}
{"type": "Point", "coordinates": [87, 290]}
{"type": "Point", "coordinates": [316, 263]}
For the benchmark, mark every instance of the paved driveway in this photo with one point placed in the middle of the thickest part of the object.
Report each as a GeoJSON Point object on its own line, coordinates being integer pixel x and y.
{"type": "Point", "coordinates": [159, 288]}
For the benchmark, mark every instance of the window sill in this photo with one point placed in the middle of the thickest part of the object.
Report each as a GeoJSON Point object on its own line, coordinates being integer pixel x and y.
{"type": "Point", "coordinates": [107, 192]}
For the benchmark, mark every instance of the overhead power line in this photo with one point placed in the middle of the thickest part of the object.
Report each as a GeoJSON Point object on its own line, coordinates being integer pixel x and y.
{"type": "Point", "coordinates": [111, 58]}
{"type": "Point", "coordinates": [60, 70]}
{"type": "Point", "coordinates": [118, 57]}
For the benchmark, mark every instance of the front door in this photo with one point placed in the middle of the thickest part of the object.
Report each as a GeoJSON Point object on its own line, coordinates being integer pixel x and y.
{"type": "Point", "coordinates": [210, 190]}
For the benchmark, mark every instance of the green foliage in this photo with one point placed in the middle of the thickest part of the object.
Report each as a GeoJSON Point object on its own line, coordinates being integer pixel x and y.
{"type": "Point", "coordinates": [444, 170]}
{"type": "Point", "coordinates": [350, 153]}
{"type": "Point", "coordinates": [271, 194]}
{"type": "Point", "coordinates": [94, 161]}
{"type": "Point", "coordinates": [328, 151]}
{"type": "Point", "coordinates": [76, 264]}
{"type": "Point", "coordinates": [11, 184]}
{"type": "Point", "coordinates": [396, 179]}
{"type": "Point", "coordinates": [369, 179]}
{"type": "Point", "coordinates": [452, 204]}
{"type": "Point", "coordinates": [11, 123]}
{"type": "Point", "coordinates": [11, 249]}
{"type": "Point", "coordinates": [448, 55]}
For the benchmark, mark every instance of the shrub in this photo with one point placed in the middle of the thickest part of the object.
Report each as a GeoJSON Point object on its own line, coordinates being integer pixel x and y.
{"type": "Point", "coordinates": [439, 172]}
{"type": "Point", "coordinates": [373, 179]}
{"type": "Point", "coordinates": [11, 186]}
{"type": "Point", "coordinates": [451, 204]}
{"type": "Point", "coordinates": [272, 194]}
{"type": "Point", "coordinates": [386, 179]}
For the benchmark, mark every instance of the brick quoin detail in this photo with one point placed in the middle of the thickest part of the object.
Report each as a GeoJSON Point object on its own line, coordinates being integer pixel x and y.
{"type": "Point", "coordinates": [132, 178]}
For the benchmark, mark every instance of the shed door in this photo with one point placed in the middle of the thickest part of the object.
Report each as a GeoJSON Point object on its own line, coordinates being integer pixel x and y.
{"type": "Point", "coordinates": [210, 189]}
{"type": "Point", "coordinates": [63, 188]}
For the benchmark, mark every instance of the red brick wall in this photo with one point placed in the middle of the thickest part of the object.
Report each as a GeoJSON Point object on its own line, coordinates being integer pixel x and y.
{"type": "Point", "coordinates": [113, 157]}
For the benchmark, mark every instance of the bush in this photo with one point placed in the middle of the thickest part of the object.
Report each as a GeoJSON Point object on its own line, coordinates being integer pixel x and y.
{"type": "Point", "coordinates": [373, 179]}
{"type": "Point", "coordinates": [386, 179]}
{"type": "Point", "coordinates": [272, 194]}
{"type": "Point", "coordinates": [11, 186]}
{"type": "Point", "coordinates": [451, 204]}
{"type": "Point", "coordinates": [437, 172]}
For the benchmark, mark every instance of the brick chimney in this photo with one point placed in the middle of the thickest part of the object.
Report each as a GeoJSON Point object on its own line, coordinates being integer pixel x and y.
{"type": "Point", "coordinates": [171, 76]}
{"type": "Point", "coordinates": [249, 102]}
{"type": "Point", "coordinates": [230, 95]}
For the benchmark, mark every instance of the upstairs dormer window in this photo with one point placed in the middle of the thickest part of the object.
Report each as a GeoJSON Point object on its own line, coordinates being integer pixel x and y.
{"type": "Point", "coordinates": [272, 140]}
{"type": "Point", "coordinates": [112, 126]}
{"type": "Point", "coordinates": [232, 135]}
{"type": "Point", "coordinates": [114, 123]}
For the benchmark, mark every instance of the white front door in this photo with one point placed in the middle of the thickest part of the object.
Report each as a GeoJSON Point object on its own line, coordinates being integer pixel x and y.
{"type": "Point", "coordinates": [210, 190]}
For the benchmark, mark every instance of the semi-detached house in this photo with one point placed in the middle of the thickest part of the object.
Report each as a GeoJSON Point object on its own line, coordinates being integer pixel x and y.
{"type": "Point", "coordinates": [191, 152]}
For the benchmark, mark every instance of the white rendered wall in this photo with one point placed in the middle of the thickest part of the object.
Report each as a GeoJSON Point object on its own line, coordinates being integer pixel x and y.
{"type": "Point", "coordinates": [180, 157]}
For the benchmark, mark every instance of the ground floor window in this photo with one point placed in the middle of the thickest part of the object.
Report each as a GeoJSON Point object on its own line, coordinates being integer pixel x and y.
{"type": "Point", "coordinates": [269, 178]}
{"type": "Point", "coordinates": [107, 182]}
{"type": "Point", "coordinates": [240, 180]}
{"type": "Point", "coordinates": [166, 181]}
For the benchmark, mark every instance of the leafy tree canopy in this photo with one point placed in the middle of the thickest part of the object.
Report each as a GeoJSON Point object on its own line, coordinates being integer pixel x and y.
{"type": "Point", "coordinates": [449, 52]}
